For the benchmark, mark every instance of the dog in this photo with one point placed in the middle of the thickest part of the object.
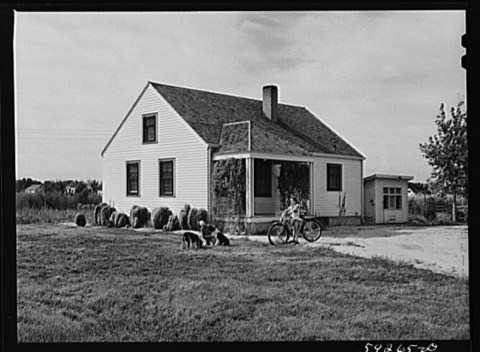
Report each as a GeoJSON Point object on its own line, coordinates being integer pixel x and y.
{"type": "Point", "coordinates": [221, 239]}
{"type": "Point", "coordinates": [207, 232]}
{"type": "Point", "coordinates": [189, 238]}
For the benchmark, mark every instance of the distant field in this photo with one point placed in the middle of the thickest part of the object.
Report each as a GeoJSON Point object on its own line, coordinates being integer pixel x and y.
{"type": "Point", "coordinates": [87, 284]}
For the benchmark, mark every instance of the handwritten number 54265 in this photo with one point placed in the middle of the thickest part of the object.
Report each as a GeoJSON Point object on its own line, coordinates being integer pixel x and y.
{"type": "Point", "coordinates": [388, 348]}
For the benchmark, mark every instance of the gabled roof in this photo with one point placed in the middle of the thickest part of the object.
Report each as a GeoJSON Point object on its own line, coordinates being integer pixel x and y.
{"type": "Point", "coordinates": [216, 119]}
{"type": "Point", "coordinates": [297, 131]}
{"type": "Point", "coordinates": [34, 188]}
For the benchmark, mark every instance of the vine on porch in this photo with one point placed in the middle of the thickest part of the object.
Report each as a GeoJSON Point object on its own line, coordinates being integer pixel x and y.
{"type": "Point", "coordinates": [294, 180]}
{"type": "Point", "coordinates": [228, 181]}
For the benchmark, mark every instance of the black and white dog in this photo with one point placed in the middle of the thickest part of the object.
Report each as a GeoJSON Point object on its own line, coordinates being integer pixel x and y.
{"type": "Point", "coordinates": [222, 240]}
{"type": "Point", "coordinates": [189, 238]}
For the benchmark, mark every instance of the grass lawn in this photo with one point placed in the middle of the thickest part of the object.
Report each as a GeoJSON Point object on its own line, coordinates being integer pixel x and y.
{"type": "Point", "coordinates": [85, 284]}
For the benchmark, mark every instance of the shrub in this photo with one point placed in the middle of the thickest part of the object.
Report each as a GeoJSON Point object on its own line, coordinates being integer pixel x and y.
{"type": "Point", "coordinates": [121, 220]}
{"type": "Point", "coordinates": [183, 217]}
{"type": "Point", "coordinates": [96, 213]}
{"type": "Point", "coordinates": [111, 219]}
{"type": "Point", "coordinates": [160, 217]}
{"type": "Point", "coordinates": [442, 219]}
{"type": "Point", "coordinates": [173, 223]}
{"type": "Point", "coordinates": [80, 219]}
{"type": "Point", "coordinates": [105, 214]}
{"type": "Point", "coordinates": [194, 216]}
{"type": "Point", "coordinates": [138, 216]}
{"type": "Point", "coordinates": [202, 215]}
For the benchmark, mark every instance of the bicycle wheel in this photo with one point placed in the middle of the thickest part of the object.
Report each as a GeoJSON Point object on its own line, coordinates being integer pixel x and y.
{"type": "Point", "coordinates": [277, 234]}
{"type": "Point", "coordinates": [312, 230]}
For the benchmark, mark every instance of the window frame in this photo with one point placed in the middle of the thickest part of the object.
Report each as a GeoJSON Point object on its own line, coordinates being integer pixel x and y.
{"type": "Point", "coordinates": [392, 198]}
{"type": "Point", "coordinates": [145, 118]}
{"type": "Point", "coordinates": [160, 162]}
{"type": "Point", "coordinates": [128, 189]}
{"type": "Point", "coordinates": [330, 187]}
{"type": "Point", "coordinates": [262, 191]}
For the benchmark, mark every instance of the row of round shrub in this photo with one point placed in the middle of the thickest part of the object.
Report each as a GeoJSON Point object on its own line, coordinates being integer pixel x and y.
{"type": "Point", "coordinates": [161, 218]}
{"type": "Point", "coordinates": [105, 215]}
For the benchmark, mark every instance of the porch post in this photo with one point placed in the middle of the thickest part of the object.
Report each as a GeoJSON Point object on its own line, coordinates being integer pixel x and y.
{"type": "Point", "coordinates": [312, 201]}
{"type": "Point", "coordinates": [249, 197]}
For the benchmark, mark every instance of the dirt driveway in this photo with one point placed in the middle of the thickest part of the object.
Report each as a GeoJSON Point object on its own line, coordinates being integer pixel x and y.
{"type": "Point", "coordinates": [442, 249]}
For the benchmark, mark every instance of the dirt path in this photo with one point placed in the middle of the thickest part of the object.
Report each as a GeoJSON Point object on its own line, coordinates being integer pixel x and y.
{"type": "Point", "coordinates": [442, 249]}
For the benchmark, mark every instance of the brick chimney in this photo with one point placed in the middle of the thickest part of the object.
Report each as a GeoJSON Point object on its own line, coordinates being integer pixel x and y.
{"type": "Point", "coordinates": [270, 102]}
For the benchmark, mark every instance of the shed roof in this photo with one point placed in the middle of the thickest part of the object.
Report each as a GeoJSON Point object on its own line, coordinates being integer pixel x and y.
{"type": "Point", "coordinates": [388, 177]}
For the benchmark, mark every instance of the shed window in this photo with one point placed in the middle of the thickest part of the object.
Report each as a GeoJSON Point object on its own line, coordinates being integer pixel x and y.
{"type": "Point", "coordinates": [166, 171]}
{"type": "Point", "coordinates": [334, 177]}
{"type": "Point", "coordinates": [133, 169]}
{"type": "Point", "coordinates": [149, 128]}
{"type": "Point", "coordinates": [263, 178]}
{"type": "Point", "coordinates": [392, 198]}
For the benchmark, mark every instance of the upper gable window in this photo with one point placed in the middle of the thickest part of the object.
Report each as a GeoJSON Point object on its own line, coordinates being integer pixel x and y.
{"type": "Point", "coordinates": [150, 128]}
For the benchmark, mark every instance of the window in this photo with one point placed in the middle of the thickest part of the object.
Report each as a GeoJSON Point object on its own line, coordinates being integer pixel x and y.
{"type": "Point", "coordinates": [392, 198]}
{"type": "Point", "coordinates": [133, 171]}
{"type": "Point", "coordinates": [263, 178]}
{"type": "Point", "coordinates": [166, 177]}
{"type": "Point", "coordinates": [334, 177]}
{"type": "Point", "coordinates": [149, 128]}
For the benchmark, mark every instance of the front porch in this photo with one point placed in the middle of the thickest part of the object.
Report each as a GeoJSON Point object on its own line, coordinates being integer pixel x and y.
{"type": "Point", "coordinates": [267, 189]}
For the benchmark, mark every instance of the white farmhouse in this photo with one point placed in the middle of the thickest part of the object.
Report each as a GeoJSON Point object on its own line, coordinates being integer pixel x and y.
{"type": "Point", "coordinates": [163, 151]}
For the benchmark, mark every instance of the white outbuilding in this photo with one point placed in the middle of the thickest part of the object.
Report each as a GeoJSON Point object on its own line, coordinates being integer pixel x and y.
{"type": "Point", "coordinates": [386, 198]}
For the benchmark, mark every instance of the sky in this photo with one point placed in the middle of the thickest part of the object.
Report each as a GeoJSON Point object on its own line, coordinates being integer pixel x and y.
{"type": "Point", "coordinates": [377, 78]}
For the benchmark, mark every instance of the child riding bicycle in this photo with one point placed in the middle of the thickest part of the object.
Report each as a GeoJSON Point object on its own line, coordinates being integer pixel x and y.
{"type": "Point", "coordinates": [292, 214]}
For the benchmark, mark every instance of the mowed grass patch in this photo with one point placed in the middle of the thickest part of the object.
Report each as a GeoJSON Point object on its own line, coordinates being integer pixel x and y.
{"type": "Point", "coordinates": [100, 284]}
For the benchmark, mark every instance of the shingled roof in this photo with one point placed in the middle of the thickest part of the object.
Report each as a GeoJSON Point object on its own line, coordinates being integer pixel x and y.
{"type": "Point", "coordinates": [211, 115]}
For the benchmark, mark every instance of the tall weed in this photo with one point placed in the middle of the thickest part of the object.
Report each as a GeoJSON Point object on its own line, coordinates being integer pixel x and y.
{"type": "Point", "coordinates": [49, 216]}
{"type": "Point", "coordinates": [54, 200]}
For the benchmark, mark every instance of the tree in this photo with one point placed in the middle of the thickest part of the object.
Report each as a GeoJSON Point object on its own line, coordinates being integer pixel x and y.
{"type": "Point", "coordinates": [447, 153]}
{"type": "Point", "coordinates": [94, 185]}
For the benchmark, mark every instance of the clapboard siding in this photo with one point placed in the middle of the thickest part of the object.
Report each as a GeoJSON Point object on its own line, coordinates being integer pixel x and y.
{"type": "Point", "coordinates": [176, 140]}
{"type": "Point", "coordinates": [370, 201]}
{"type": "Point", "coordinates": [326, 202]}
{"type": "Point", "coordinates": [386, 215]}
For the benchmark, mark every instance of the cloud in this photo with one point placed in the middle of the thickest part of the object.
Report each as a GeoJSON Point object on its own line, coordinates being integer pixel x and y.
{"type": "Point", "coordinates": [270, 40]}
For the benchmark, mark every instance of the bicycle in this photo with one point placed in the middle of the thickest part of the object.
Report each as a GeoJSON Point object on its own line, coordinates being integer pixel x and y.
{"type": "Point", "coordinates": [281, 231]}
